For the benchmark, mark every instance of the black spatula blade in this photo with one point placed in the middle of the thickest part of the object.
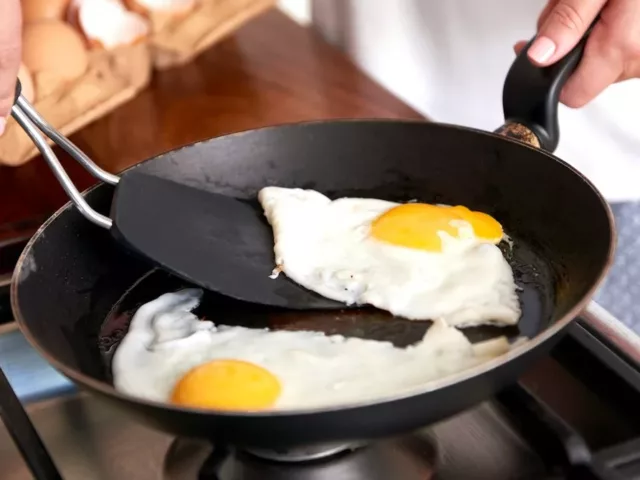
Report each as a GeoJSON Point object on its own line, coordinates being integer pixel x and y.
{"type": "Point", "coordinates": [215, 241]}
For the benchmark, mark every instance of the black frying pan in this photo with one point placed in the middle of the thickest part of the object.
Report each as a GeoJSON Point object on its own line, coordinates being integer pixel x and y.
{"type": "Point", "coordinates": [74, 289]}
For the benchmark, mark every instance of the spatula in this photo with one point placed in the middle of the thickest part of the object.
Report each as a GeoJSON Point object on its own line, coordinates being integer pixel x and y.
{"type": "Point", "coordinates": [218, 242]}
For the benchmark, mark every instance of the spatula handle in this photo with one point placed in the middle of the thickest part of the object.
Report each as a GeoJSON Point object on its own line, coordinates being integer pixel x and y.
{"type": "Point", "coordinates": [32, 123]}
{"type": "Point", "coordinates": [62, 141]}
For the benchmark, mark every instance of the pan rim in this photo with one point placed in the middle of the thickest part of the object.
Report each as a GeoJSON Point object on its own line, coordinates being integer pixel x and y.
{"type": "Point", "coordinates": [108, 390]}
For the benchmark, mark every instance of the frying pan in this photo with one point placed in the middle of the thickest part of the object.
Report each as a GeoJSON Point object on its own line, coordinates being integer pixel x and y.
{"type": "Point", "coordinates": [74, 288]}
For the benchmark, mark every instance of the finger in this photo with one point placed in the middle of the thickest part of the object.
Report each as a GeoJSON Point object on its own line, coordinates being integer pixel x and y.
{"type": "Point", "coordinates": [565, 25]}
{"type": "Point", "coordinates": [631, 70]}
{"type": "Point", "coordinates": [10, 40]}
{"type": "Point", "coordinates": [612, 53]}
{"type": "Point", "coordinates": [625, 16]}
{"type": "Point", "coordinates": [602, 64]}
{"type": "Point", "coordinates": [519, 46]}
{"type": "Point", "coordinates": [544, 14]}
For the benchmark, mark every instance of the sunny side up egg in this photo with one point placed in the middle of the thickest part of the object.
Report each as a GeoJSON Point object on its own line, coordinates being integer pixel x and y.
{"type": "Point", "coordinates": [169, 355]}
{"type": "Point", "coordinates": [417, 261]}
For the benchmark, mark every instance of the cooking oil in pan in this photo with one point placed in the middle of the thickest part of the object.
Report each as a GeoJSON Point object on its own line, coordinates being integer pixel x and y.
{"type": "Point", "coordinates": [533, 277]}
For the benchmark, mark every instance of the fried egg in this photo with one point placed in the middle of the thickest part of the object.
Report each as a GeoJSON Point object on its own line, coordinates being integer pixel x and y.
{"type": "Point", "coordinates": [415, 260]}
{"type": "Point", "coordinates": [169, 355]}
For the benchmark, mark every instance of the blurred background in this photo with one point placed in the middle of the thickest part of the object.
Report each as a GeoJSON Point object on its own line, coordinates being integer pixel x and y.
{"type": "Point", "coordinates": [127, 80]}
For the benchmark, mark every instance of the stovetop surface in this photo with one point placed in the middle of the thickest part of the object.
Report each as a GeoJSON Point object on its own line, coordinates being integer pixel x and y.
{"type": "Point", "coordinates": [89, 440]}
{"type": "Point", "coordinates": [573, 415]}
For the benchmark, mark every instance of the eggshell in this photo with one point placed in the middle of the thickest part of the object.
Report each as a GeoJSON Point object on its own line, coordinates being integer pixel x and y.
{"type": "Point", "coordinates": [107, 23]}
{"type": "Point", "coordinates": [173, 7]}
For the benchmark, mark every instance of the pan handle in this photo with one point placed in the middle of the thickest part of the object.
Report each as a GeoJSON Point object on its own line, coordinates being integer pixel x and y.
{"type": "Point", "coordinates": [32, 123]}
{"type": "Point", "coordinates": [531, 94]}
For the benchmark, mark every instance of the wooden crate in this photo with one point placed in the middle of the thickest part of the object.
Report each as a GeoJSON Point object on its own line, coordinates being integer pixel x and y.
{"type": "Point", "coordinates": [112, 78]}
{"type": "Point", "coordinates": [176, 41]}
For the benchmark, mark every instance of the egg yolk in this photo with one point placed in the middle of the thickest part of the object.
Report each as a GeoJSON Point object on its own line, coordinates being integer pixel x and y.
{"type": "Point", "coordinates": [484, 226]}
{"type": "Point", "coordinates": [416, 225]}
{"type": "Point", "coordinates": [227, 385]}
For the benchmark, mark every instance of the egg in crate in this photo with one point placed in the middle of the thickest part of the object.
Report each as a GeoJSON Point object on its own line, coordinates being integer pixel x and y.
{"type": "Point", "coordinates": [169, 355]}
{"type": "Point", "coordinates": [26, 82]}
{"type": "Point", "coordinates": [37, 10]}
{"type": "Point", "coordinates": [55, 55]}
{"type": "Point", "coordinates": [415, 260]}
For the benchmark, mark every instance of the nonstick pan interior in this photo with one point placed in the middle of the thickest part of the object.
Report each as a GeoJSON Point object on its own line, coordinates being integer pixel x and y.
{"type": "Point", "coordinates": [73, 277]}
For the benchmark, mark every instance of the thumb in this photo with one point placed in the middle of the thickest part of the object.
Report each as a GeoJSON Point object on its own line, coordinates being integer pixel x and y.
{"type": "Point", "coordinates": [10, 39]}
{"type": "Point", "coordinates": [563, 28]}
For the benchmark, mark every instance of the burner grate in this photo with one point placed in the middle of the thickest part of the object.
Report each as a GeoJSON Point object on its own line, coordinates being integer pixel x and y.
{"type": "Point", "coordinates": [24, 434]}
{"type": "Point", "coordinates": [624, 459]}
{"type": "Point", "coordinates": [557, 443]}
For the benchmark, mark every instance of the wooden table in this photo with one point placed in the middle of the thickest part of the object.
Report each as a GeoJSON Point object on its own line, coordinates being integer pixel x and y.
{"type": "Point", "coordinates": [270, 71]}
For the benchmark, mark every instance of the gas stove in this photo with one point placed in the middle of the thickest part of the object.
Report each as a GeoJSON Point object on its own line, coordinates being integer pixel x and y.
{"type": "Point", "coordinates": [573, 415]}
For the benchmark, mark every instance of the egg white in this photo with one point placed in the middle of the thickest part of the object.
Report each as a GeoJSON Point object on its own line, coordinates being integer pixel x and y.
{"type": "Point", "coordinates": [326, 247]}
{"type": "Point", "coordinates": [165, 340]}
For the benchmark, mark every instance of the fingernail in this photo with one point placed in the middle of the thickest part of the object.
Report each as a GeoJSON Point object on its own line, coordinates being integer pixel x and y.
{"type": "Point", "coordinates": [542, 49]}
{"type": "Point", "coordinates": [3, 124]}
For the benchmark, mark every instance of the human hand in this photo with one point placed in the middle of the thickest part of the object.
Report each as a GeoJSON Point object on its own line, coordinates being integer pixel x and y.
{"type": "Point", "coordinates": [10, 54]}
{"type": "Point", "coordinates": [612, 52]}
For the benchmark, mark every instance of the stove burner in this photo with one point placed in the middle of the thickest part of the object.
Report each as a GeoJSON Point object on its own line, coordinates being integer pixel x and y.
{"type": "Point", "coordinates": [303, 454]}
{"type": "Point", "coordinates": [406, 458]}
